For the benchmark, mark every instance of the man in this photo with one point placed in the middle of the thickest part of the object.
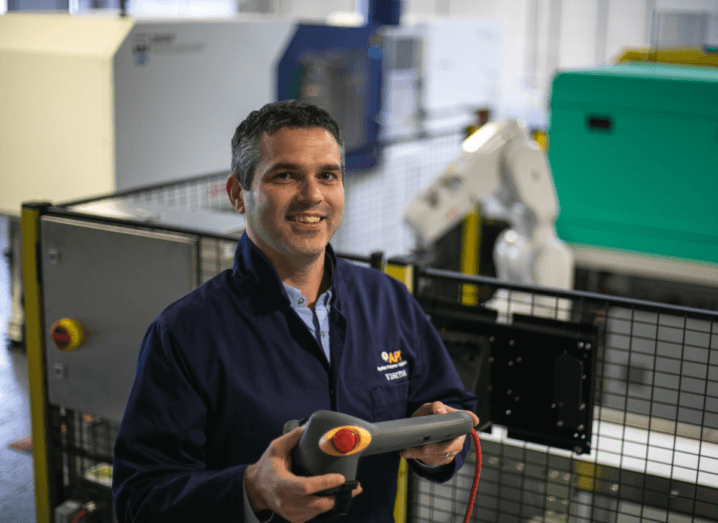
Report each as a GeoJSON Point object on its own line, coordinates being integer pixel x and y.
{"type": "Point", "coordinates": [289, 331]}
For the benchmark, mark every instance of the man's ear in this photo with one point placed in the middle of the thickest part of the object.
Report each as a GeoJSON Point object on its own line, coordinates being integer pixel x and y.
{"type": "Point", "coordinates": [235, 193]}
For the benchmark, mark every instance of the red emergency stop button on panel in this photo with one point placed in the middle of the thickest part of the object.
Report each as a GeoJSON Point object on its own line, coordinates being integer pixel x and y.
{"type": "Point", "coordinates": [344, 440]}
{"type": "Point", "coordinates": [67, 334]}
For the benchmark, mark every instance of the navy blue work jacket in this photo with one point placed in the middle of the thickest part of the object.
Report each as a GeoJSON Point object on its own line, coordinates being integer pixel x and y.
{"type": "Point", "coordinates": [222, 369]}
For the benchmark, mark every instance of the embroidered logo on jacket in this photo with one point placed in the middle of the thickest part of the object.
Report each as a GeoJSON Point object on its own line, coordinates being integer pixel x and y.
{"type": "Point", "coordinates": [394, 361]}
{"type": "Point", "coordinates": [391, 357]}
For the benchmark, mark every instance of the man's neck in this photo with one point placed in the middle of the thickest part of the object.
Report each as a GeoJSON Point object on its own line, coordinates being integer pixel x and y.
{"type": "Point", "coordinates": [306, 276]}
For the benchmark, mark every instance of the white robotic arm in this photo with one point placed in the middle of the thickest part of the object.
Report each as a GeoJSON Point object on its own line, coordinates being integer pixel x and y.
{"type": "Point", "coordinates": [466, 180]}
{"type": "Point", "coordinates": [505, 171]}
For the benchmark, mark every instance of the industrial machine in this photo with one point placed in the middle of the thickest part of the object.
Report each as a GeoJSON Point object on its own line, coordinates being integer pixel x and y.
{"type": "Point", "coordinates": [385, 82]}
{"type": "Point", "coordinates": [96, 102]}
{"type": "Point", "coordinates": [632, 148]}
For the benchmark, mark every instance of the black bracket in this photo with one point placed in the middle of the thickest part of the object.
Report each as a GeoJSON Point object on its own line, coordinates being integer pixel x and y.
{"type": "Point", "coordinates": [542, 381]}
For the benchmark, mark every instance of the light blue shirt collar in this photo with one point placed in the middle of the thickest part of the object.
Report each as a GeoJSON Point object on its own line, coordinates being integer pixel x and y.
{"type": "Point", "coordinates": [317, 322]}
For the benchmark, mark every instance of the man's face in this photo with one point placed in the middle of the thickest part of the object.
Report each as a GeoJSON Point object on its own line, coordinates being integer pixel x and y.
{"type": "Point", "coordinates": [296, 201]}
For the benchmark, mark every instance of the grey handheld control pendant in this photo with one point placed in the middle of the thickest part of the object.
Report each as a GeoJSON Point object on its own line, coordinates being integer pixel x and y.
{"type": "Point", "coordinates": [333, 443]}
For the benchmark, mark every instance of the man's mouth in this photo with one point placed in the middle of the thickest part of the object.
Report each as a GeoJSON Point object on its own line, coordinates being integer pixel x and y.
{"type": "Point", "coordinates": [304, 218]}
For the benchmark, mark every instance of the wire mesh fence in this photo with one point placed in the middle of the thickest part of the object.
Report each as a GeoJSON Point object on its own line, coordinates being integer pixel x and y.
{"type": "Point", "coordinates": [82, 447]}
{"type": "Point", "coordinates": [652, 450]}
{"type": "Point", "coordinates": [374, 198]}
{"type": "Point", "coordinates": [196, 193]}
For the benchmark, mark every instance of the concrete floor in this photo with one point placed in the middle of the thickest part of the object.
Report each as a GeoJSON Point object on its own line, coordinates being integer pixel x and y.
{"type": "Point", "coordinates": [17, 487]}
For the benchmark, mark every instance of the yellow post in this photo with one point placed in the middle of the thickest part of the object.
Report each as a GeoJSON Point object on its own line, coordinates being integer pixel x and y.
{"type": "Point", "coordinates": [404, 274]}
{"type": "Point", "coordinates": [469, 258]}
{"type": "Point", "coordinates": [402, 492]}
{"type": "Point", "coordinates": [30, 227]}
{"type": "Point", "coordinates": [541, 138]}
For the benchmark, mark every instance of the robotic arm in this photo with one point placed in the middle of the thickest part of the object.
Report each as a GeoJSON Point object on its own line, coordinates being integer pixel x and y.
{"type": "Point", "coordinates": [504, 171]}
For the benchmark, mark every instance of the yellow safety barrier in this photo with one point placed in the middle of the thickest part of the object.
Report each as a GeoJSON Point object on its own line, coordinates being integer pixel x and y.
{"type": "Point", "coordinates": [30, 227]}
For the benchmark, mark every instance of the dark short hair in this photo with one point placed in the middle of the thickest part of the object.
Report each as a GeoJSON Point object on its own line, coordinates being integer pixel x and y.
{"type": "Point", "coordinates": [268, 119]}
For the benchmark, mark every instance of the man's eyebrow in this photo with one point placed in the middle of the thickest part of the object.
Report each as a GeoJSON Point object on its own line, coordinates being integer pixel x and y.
{"type": "Point", "coordinates": [331, 167]}
{"type": "Point", "coordinates": [286, 166]}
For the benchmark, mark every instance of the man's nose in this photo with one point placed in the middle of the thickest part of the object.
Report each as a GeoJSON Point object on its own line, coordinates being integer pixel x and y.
{"type": "Point", "coordinates": [311, 190]}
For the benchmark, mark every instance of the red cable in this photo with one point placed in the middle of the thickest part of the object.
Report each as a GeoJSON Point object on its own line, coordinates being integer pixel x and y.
{"type": "Point", "coordinates": [477, 473]}
{"type": "Point", "coordinates": [79, 516]}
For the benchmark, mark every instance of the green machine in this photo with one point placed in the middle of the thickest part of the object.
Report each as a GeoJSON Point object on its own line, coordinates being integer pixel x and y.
{"type": "Point", "coordinates": [634, 153]}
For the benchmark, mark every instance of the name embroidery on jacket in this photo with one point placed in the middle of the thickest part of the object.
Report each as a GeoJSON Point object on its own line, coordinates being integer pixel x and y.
{"type": "Point", "coordinates": [394, 361]}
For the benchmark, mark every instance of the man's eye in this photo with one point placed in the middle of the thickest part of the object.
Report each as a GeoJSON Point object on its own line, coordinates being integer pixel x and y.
{"type": "Point", "coordinates": [329, 176]}
{"type": "Point", "coordinates": [283, 176]}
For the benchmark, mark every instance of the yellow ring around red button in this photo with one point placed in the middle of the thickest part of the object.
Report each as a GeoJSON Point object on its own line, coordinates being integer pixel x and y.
{"type": "Point", "coordinates": [363, 439]}
{"type": "Point", "coordinates": [67, 334]}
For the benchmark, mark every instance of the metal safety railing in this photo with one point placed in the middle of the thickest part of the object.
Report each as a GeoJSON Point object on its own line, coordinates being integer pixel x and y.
{"type": "Point", "coordinates": [652, 452]}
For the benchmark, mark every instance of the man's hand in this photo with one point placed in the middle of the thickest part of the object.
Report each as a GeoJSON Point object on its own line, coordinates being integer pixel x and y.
{"type": "Point", "coordinates": [443, 452]}
{"type": "Point", "coordinates": [271, 485]}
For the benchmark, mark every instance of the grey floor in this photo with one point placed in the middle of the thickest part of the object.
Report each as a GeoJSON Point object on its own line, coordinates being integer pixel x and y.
{"type": "Point", "coordinates": [17, 489]}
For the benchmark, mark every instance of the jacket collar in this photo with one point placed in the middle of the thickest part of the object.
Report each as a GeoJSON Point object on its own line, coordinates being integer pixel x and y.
{"type": "Point", "coordinates": [250, 264]}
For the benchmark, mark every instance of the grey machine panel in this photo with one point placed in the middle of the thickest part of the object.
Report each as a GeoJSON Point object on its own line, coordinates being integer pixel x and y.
{"type": "Point", "coordinates": [114, 280]}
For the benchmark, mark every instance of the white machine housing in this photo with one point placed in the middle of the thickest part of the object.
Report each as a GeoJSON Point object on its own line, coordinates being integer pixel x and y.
{"type": "Point", "coordinates": [437, 74]}
{"type": "Point", "coordinates": [96, 103]}
{"type": "Point", "coordinates": [505, 172]}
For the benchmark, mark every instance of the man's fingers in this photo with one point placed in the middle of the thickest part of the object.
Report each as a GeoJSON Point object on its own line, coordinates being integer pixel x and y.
{"type": "Point", "coordinates": [320, 504]}
{"type": "Point", "coordinates": [438, 407]}
{"type": "Point", "coordinates": [431, 408]}
{"type": "Point", "coordinates": [305, 508]}
{"type": "Point", "coordinates": [289, 440]}
{"type": "Point", "coordinates": [410, 453]}
{"type": "Point", "coordinates": [441, 452]}
{"type": "Point", "coordinates": [314, 484]}
{"type": "Point", "coordinates": [474, 417]}
{"type": "Point", "coordinates": [271, 484]}
{"type": "Point", "coordinates": [455, 445]}
{"type": "Point", "coordinates": [299, 496]}
{"type": "Point", "coordinates": [433, 451]}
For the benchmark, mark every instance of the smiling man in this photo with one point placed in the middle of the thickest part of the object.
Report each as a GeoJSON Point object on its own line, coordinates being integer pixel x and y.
{"type": "Point", "coordinates": [294, 201]}
{"type": "Point", "coordinates": [290, 330]}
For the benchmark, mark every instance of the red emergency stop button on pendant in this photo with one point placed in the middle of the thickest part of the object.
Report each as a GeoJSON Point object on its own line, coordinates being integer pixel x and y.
{"type": "Point", "coordinates": [344, 440]}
